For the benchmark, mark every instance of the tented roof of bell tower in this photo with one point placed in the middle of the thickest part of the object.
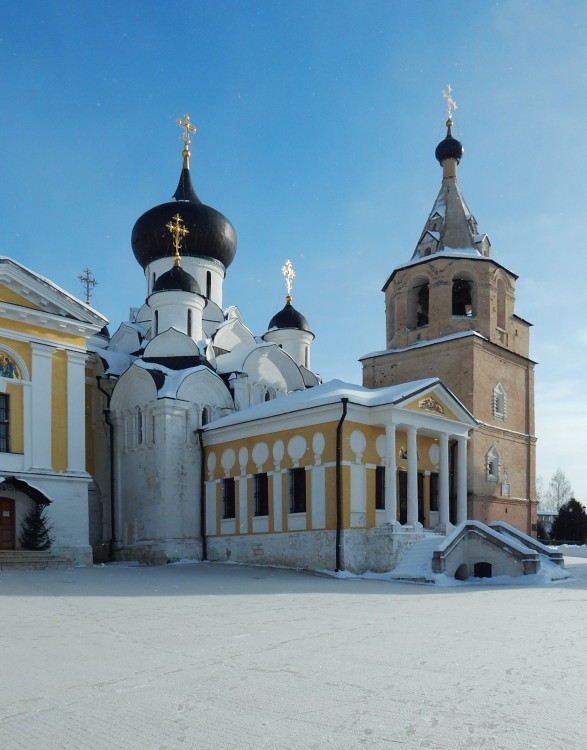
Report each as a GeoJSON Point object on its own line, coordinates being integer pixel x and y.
{"type": "Point", "coordinates": [450, 227]}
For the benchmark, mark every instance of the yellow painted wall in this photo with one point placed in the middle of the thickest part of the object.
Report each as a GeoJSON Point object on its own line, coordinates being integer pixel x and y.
{"type": "Point", "coordinates": [370, 457]}
{"type": "Point", "coordinates": [10, 296]}
{"type": "Point", "coordinates": [59, 411]}
{"type": "Point", "coordinates": [16, 394]}
{"type": "Point", "coordinates": [44, 333]}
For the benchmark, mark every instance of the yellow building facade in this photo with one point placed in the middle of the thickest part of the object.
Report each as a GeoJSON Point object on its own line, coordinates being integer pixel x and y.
{"type": "Point", "coordinates": [44, 334]}
{"type": "Point", "coordinates": [335, 477]}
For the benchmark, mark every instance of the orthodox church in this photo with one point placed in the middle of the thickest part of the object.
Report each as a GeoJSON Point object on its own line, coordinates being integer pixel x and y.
{"type": "Point", "coordinates": [206, 441]}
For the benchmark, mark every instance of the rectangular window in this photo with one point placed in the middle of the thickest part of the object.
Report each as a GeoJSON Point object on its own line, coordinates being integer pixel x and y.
{"type": "Point", "coordinates": [380, 487]}
{"type": "Point", "coordinates": [261, 489]}
{"type": "Point", "coordinates": [297, 490]}
{"type": "Point", "coordinates": [434, 491]}
{"type": "Point", "coordinates": [4, 423]}
{"type": "Point", "coordinates": [228, 505]}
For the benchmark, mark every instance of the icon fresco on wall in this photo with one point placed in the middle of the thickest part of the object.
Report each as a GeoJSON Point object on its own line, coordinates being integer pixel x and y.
{"type": "Point", "coordinates": [8, 367]}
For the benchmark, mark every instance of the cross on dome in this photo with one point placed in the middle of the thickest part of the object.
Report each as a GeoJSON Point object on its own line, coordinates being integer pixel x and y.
{"type": "Point", "coordinates": [188, 128]}
{"type": "Point", "coordinates": [289, 275]}
{"type": "Point", "coordinates": [178, 231]}
{"type": "Point", "coordinates": [450, 102]}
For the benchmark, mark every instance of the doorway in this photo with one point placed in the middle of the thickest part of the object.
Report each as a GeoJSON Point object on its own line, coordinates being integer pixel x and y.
{"type": "Point", "coordinates": [403, 497]}
{"type": "Point", "coordinates": [7, 524]}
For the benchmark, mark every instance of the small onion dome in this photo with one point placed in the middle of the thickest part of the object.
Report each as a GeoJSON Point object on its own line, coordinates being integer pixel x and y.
{"type": "Point", "coordinates": [449, 148]}
{"type": "Point", "coordinates": [176, 280]}
{"type": "Point", "coordinates": [211, 235]}
{"type": "Point", "coordinates": [289, 317]}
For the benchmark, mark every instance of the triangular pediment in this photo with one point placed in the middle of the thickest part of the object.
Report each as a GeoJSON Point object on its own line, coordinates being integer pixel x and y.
{"type": "Point", "coordinates": [437, 401]}
{"type": "Point", "coordinates": [27, 296]}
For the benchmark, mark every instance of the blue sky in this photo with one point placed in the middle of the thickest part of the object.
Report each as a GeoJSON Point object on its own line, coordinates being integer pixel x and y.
{"type": "Point", "coordinates": [317, 123]}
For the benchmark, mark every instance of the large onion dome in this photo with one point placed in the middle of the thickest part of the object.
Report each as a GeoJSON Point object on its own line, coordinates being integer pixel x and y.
{"type": "Point", "coordinates": [176, 280]}
{"type": "Point", "coordinates": [289, 317]}
{"type": "Point", "coordinates": [211, 235]}
{"type": "Point", "coordinates": [449, 148]}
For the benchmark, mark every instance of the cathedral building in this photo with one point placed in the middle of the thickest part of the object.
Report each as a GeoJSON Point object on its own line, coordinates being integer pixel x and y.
{"type": "Point", "coordinates": [450, 313]}
{"type": "Point", "coordinates": [183, 435]}
{"type": "Point", "coordinates": [210, 442]}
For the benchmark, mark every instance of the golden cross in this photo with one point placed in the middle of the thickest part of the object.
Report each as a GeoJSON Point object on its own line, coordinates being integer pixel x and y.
{"type": "Point", "coordinates": [89, 282]}
{"type": "Point", "coordinates": [179, 232]}
{"type": "Point", "coordinates": [450, 102]}
{"type": "Point", "coordinates": [188, 128]}
{"type": "Point", "coordinates": [289, 274]}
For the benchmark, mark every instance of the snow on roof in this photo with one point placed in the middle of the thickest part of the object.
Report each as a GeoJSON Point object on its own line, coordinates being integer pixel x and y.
{"type": "Point", "coordinates": [53, 285]}
{"type": "Point", "coordinates": [486, 531]}
{"type": "Point", "coordinates": [173, 378]}
{"type": "Point", "coordinates": [420, 344]}
{"type": "Point", "coordinates": [116, 362]}
{"type": "Point", "coordinates": [234, 361]}
{"type": "Point", "coordinates": [324, 394]}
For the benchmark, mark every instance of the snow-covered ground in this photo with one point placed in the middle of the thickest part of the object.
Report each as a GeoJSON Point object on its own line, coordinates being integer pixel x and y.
{"type": "Point", "coordinates": [221, 656]}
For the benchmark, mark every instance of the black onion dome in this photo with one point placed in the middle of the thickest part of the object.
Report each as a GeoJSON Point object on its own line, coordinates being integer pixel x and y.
{"type": "Point", "coordinates": [289, 317]}
{"type": "Point", "coordinates": [211, 235]}
{"type": "Point", "coordinates": [449, 148]}
{"type": "Point", "coordinates": [176, 280]}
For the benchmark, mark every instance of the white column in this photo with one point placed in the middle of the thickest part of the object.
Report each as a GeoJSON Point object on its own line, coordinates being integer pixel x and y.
{"type": "Point", "coordinates": [412, 476]}
{"type": "Point", "coordinates": [462, 479]}
{"type": "Point", "coordinates": [443, 481]}
{"type": "Point", "coordinates": [390, 475]}
{"type": "Point", "coordinates": [118, 441]}
{"type": "Point", "coordinates": [28, 428]}
{"type": "Point", "coordinates": [41, 377]}
{"type": "Point", "coordinates": [76, 409]}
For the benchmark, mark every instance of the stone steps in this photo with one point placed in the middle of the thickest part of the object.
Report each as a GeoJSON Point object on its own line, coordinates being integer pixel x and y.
{"type": "Point", "coordinates": [29, 560]}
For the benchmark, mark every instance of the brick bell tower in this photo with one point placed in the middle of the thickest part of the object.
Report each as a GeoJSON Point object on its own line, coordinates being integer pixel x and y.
{"type": "Point", "coordinates": [450, 314]}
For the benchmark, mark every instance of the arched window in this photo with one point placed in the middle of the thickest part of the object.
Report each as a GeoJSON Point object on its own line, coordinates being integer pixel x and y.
{"type": "Point", "coordinates": [492, 464]}
{"type": "Point", "coordinates": [307, 357]}
{"type": "Point", "coordinates": [156, 322]}
{"type": "Point", "coordinates": [208, 284]}
{"type": "Point", "coordinates": [267, 396]}
{"type": "Point", "coordinates": [418, 303]}
{"type": "Point", "coordinates": [501, 304]}
{"type": "Point", "coordinates": [205, 415]}
{"type": "Point", "coordinates": [153, 280]}
{"type": "Point", "coordinates": [499, 401]}
{"type": "Point", "coordinates": [139, 427]}
{"type": "Point", "coordinates": [189, 322]}
{"type": "Point", "coordinates": [462, 297]}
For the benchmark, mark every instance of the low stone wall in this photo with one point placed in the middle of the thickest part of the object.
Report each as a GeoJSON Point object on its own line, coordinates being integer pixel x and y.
{"type": "Point", "coordinates": [154, 552]}
{"type": "Point", "coordinates": [378, 549]}
{"type": "Point", "coordinates": [311, 550]}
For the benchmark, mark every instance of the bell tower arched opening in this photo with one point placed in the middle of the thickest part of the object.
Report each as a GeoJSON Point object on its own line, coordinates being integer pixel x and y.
{"type": "Point", "coordinates": [419, 303]}
{"type": "Point", "coordinates": [463, 297]}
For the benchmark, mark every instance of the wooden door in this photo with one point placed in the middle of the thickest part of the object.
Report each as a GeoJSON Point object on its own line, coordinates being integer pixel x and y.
{"type": "Point", "coordinates": [7, 525]}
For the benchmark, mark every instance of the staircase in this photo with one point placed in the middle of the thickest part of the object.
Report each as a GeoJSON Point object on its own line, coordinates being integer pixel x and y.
{"type": "Point", "coordinates": [21, 559]}
{"type": "Point", "coordinates": [416, 564]}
